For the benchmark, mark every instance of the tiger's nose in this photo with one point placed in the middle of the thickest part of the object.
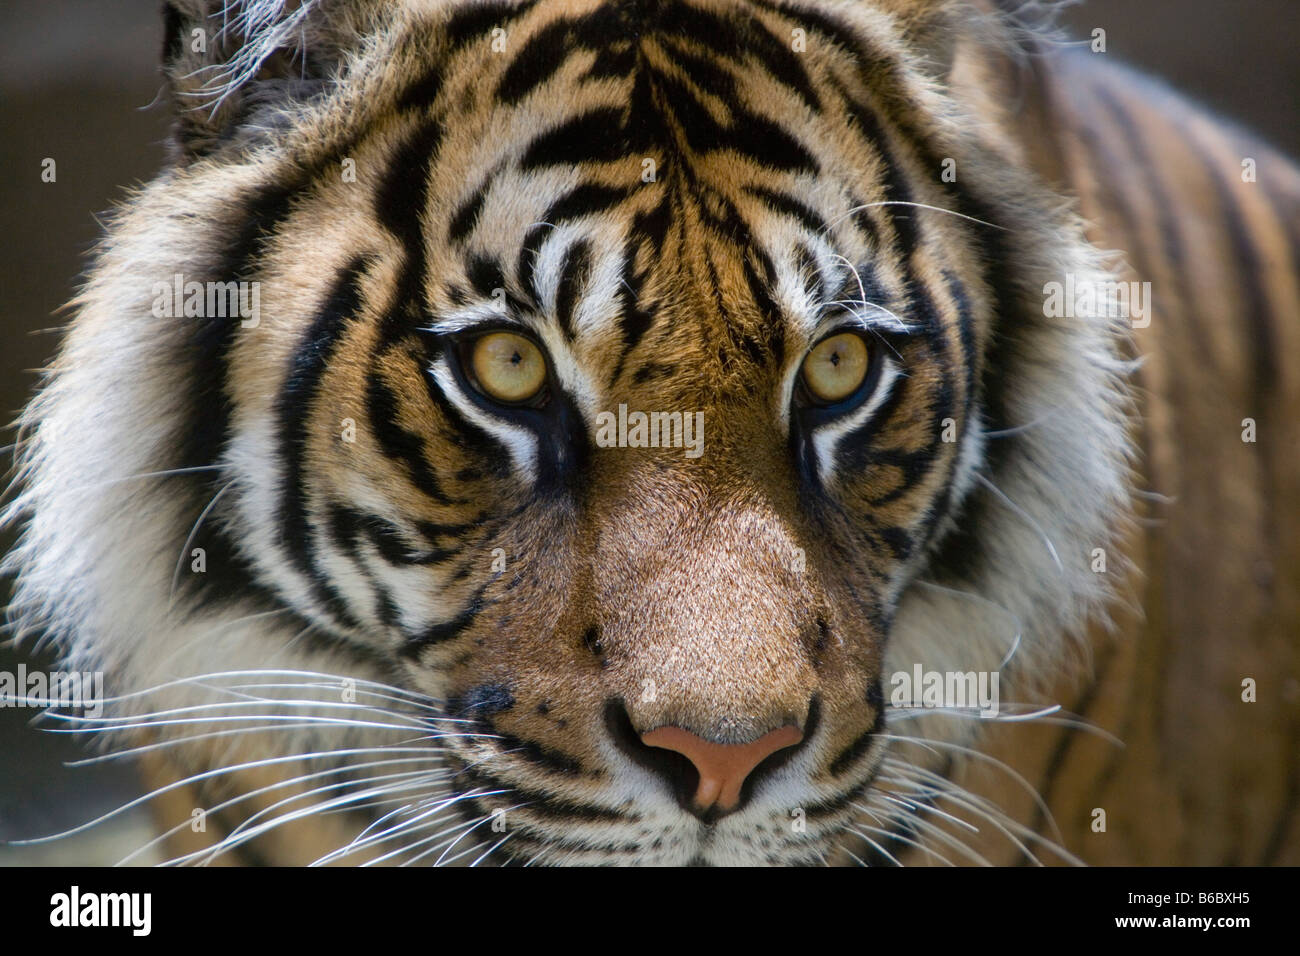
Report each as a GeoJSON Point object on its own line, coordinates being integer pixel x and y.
{"type": "Point", "coordinates": [723, 768]}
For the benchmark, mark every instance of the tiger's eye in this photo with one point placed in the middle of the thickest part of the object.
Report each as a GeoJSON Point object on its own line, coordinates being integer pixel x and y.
{"type": "Point", "coordinates": [508, 367]}
{"type": "Point", "coordinates": [836, 366]}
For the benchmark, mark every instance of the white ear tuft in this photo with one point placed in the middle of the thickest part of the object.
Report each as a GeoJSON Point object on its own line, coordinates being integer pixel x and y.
{"type": "Point", "coordinates": [226, 58]}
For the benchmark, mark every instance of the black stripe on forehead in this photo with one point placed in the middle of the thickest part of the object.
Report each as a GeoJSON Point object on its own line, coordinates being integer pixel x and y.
{"type": "Point", "coordinates": [584, 200]}
{"type": "Point", "coordinates": [789, 205]}
{"type": "Point", "coordinates": [466, 215]}
{"type": "Point", "coordinates": [737, 35]}
{"type": "Point", "coordinates": [809, 272]}
{"type": "Point", "coordinates": [476, 21]}
{"type": "Point", "coordinates": [546, 51]}
{"type": "Point", "coordinates": [611, 30]}
{"type": "Point", "coordinates": [573, 278]}
{"type": "Point", "coordinates": [596, 136]}
{"type": "Point", "coordinates": [861, 286]}
{"type": "Point", "coordinates": [762, 140]}
{"type": "Point", "coordinates": [635, 320]}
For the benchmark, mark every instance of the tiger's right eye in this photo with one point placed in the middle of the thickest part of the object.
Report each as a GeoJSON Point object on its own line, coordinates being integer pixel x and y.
{"type": "Point", "coordinates": [507, 367]}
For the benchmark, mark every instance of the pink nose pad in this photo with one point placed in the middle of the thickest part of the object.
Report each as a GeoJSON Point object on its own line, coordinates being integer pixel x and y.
{"type": "Point", "coordinates": [723, 768]}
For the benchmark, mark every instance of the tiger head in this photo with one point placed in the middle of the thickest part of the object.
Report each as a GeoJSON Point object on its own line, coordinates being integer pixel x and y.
{"type": "Point", "coordinates": [646, 382]}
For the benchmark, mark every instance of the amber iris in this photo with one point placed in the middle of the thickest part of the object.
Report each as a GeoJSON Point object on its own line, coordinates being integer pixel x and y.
{"type": "Point", "coordinates": [836, 367]}
{"type": "Point", "coordinates": [508, 367]}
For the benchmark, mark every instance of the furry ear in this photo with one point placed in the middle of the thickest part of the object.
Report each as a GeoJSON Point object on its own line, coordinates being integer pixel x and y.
{"type": "Point", "coordinates": [939, 29]}
{"type": "Point", "coordinates": [228, 60]}
{"type": "Point", "coordinates": [930, 27]}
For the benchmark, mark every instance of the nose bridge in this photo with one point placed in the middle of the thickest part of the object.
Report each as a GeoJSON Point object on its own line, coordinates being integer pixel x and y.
{"type": "Point", "coordinates": [707, 604]}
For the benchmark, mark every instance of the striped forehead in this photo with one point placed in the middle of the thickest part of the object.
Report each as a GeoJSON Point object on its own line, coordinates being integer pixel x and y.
{"type": "Point", "coordinates": [579, 112]}
{"type": "Point", "coordinates": [610, 180]}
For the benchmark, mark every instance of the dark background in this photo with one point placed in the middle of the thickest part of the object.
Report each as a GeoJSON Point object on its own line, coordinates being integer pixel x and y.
{"type": "Point", "coordinates": [78, 82]}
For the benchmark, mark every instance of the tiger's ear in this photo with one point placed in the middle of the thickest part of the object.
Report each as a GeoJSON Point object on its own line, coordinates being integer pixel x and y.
{"type": "Point", "coordinates": [935, 28]}
{"type": "Point", "coordinates": [940, 28]}
{"type": "Point", "coordinates": [227, 60]}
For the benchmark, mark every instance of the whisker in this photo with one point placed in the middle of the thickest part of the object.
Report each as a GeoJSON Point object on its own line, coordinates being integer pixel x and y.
{"type": "Point", "coordinates": [986, 758]}
{"type": "Point", "coordinates": [913, 819]}
{"type": "Point", "coordinates": [226, 804]}
{"type": "Point", "coordinates": [981, 599]}
{"type": "Point", "coordinates": [245, 832]}
{"type": "Point", "coordinates": [189, 540]}
{"type": "Point", "coordinates": [1051, 548]}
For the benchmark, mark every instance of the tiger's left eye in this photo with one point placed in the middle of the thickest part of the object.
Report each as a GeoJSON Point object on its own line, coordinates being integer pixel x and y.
{"type": "Point", "coordinates": [836, 367]}
{"type": "Point", "coordinates": [508, 367]}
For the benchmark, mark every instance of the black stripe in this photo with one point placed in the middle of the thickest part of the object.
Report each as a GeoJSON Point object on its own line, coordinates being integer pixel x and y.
{"type": "Point", "coordinates": [526, 264]}
{"type": "Point", "coordinates": [543, 805]}
{"type": "Point", "coordinates": [549, 48]}
{"type": "Point", "coordinates": [447, 631]}
{"type": "Point", "coordinates": [893, 185]}
{"type": "Point", "coordinates": [582, 201]}
{"type": "Point", "coordinates": [1066, 738]}
{"type": "Point", "coordinates": [635, 320]}
{"type": "Point", "coordinates": [790, 206]}
{"type": "Point", "coordinates": [207, 427]}
{"type": "Point", "coordinates": [840, 34]}
{"type": "Point", "coordinates": [705, 72]}
{"type": "Point", "coordinates": [1156, 198]}
{"type": "Point", "coordinates": [543, 54]}
{"type": "Point", "coordinates": [396, 442]}
{"type": "Point", "coordinates": [592, 137]}
{"type": "Point", "coordinates": [399, 204]}
{"type": "Point", "coordinates": [780, 60]}
{"type": "Point", "coordinates": [476, 21]}
{"type": "Point", "coordinates": [349, 525]}
{"type": "Point", "coordinates": [434, 533]}
{"type": "Point", "coordinates": [345, 525]}
{"type": "Point", "coordinates": [422, 93]}
{"type": "Point", "coordinates": [485, 275]}
{"type": "Point", "coordinates": [1256, 309]}
{"type": "Point", "coordinates": [651, 225]}
{"type": "Point", "coordinates": [573, 277]}
{"type": "Point", "coordinates": [465, 217]}
{"type": "Point", "coordinates": [293, 411]}
{"type": "Point", "coordinates": [765, 142]}
{"type": "Point", "coordinates": [544, 758]}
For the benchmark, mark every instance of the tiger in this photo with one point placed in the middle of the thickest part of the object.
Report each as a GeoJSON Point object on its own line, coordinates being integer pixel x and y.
{"type": "Point", "coordinates": [586, 432]}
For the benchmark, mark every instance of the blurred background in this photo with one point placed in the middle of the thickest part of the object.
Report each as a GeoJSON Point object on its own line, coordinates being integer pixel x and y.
{"type": "Point", "coordinates": [79, 83]}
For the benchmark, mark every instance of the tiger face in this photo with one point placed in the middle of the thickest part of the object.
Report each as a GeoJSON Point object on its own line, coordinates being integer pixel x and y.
{"type": "Point", "coordinates": [631, 380]}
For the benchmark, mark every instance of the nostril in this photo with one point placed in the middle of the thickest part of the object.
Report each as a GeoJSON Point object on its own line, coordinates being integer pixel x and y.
{"type": "Point", "coordinates": [710, 779]}
{"type": "Point", "coordinates": [676, 769]}
{"type": "Point", "coordinates": [723, 768]}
